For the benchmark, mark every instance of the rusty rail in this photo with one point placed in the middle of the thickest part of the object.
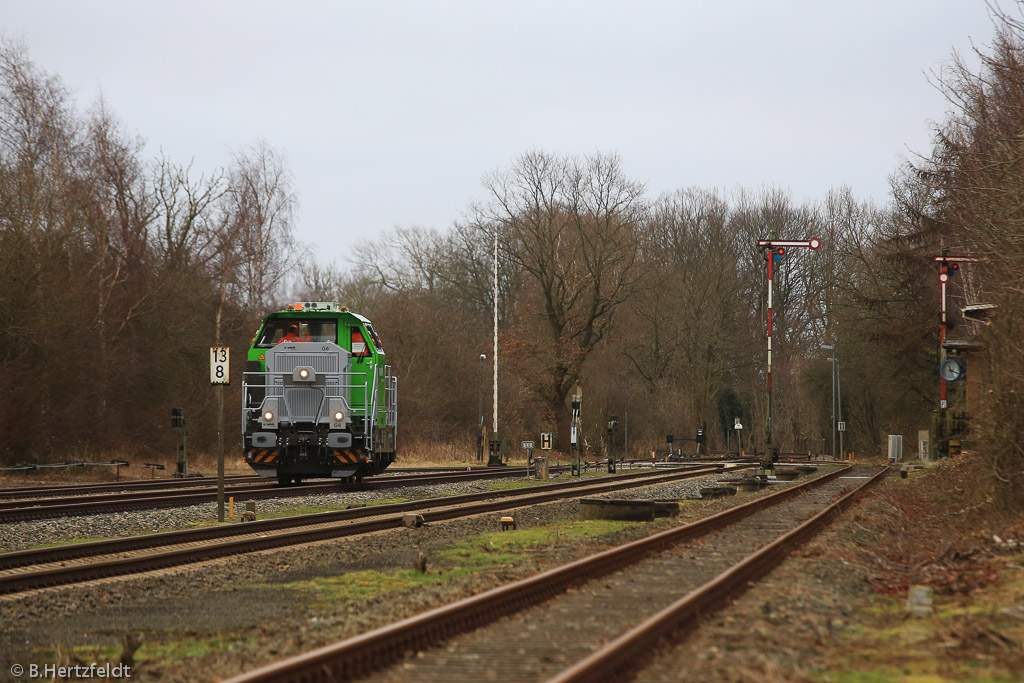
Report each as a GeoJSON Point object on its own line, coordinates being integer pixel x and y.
{"type": "Point", "coordinates": [46, 508]}
{"type": "Point", "coordinates": [361, 655]}
{"type": "Point", "coordinates": [619, 658]}
{"type": "Point", "coordinates": [331, 525]}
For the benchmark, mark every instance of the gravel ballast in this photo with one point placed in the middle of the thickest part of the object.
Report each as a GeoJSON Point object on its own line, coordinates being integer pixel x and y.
{"type": "Point", "coordinates": [239, 612]}
{"type": "Point", "coordinates": [22, 535]}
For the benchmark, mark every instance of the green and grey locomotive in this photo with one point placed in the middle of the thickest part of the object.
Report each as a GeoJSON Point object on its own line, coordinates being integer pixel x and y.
{"type": "Point", "coordinates": [318, 398]}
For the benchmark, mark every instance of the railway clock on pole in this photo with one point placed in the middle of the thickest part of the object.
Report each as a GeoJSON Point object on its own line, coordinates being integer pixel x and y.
{"type": "Point", "coordinates": [949, 266]}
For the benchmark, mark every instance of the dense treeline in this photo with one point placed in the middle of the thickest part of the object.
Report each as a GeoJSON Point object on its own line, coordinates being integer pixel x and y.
{"type": "Point", "coordinates": [119, 272]}
{"type": "Point", "coordinates": [656, 308]}
{"type": "Point", "coordinates": [967, 194]}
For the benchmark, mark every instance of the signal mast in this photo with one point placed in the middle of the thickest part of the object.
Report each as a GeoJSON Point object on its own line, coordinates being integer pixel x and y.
{"type": "Point", "coordinates": [949, 266]}
{"type": "Point", "coordinates": [776, 250]}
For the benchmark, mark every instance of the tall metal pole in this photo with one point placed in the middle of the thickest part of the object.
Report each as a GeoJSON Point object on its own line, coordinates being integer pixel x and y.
{"type": "Point", "coordinates": [833, 359]}
{"type": "Point", "coordinates": [480, 434]}
{"type": "Point", "coordinates": [943, 278]}
{"type": "Point", "coordinates": [495, 332]}
{"type": "Point", "coordinates": [220, 455]}
{"type": "Point", "coordinates": [832, 349]}
{"type": "Point", "coordinates": [768, 427]}
{"type": "Point", "coordinates": [948, 265]}
{"type": "Point", "coordinates": [942, 438]}
{"type": "Point", "coordinates": [775, 247]}
{"type": "Point", "coordinates": [625, 446]}
{"type": "Point", "coordinates": [839, 393]}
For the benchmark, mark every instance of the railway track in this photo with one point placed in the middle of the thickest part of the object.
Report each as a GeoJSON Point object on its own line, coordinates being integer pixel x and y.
{"type": "Point", "coordinates": [14, 492]}
{"type": "Point", "coordinates": [596, 619]}
{"type": "Point", "coordinates": [46, 508]}
{"type": "Point", "coordinates": [29, 569]}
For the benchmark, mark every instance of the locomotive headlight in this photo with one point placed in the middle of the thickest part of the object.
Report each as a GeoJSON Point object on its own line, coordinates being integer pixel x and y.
{"type": "Point", "coordinates": [337, 410]}
{"type": "Point", "coordinates": [303, 373]}
{"type": "Point", "coordinates": [268, 413]}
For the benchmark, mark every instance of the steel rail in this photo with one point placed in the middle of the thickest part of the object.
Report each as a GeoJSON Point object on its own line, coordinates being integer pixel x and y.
{"type": "Point", "coordinates": [69, 551]}
{"type": "Point", "coordinates": [45, 508]}
{"type": "Point", "coordinates": [330, 525]}
{"type": "Point", "coordinates": [259, 484]}
{"type": "Point", "coordinates": [102, 487]}
{"type": "Point", "coordinates": [183, 482]}
{"type": "Point", "coordinates": [361, 655]}
{"type": "Point", "coordinates": [619, 658]}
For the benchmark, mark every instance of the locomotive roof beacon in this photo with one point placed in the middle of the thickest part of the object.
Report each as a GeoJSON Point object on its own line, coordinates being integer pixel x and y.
{"type": "Point", "coordinates": [318, 397]}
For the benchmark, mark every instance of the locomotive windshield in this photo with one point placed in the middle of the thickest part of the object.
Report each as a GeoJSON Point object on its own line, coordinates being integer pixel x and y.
{"type": "Point", "coordinates": [314, 330]}
{"type": "Point", "coordinates": [375, 338]}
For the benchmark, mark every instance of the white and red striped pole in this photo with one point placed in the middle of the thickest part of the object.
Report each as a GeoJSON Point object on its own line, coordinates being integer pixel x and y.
{"type": "Point", "coordinates": [773, 247]}
{"type": "Point", "coordinates": [768, 432]}
{"type": "Point", "coordinates": [947, 266]}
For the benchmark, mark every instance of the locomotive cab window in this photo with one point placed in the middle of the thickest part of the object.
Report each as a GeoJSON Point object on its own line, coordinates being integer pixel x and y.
{"type": "Point", "coordinates": [359, 345]}
{"type": "Point", "coordinates": [276, 331]}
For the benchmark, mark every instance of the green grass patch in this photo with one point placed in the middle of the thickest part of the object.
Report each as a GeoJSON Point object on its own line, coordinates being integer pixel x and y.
{"type": "Point", "coordinates": [362, 585]}
{"type": "Point", "coordinates": [477, 553]}
{"type": "Point", "coordinates": [888, 646]}
{"type": "Point", "coordinates": [172, 651]}
{"type": "Point", "coordinates": [163, 651]}
{"type": "Point", "coordinates": [502, 547]}
{"type": "Point", "coordinates": [386, 501]}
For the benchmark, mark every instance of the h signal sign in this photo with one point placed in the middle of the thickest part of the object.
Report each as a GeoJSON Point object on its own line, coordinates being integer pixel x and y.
{"type": "Point", "coordinates": [545, 441]}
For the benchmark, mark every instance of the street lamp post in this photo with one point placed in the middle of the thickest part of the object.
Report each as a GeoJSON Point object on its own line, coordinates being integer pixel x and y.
{"type": "Point", "coordinates": [832, 348]}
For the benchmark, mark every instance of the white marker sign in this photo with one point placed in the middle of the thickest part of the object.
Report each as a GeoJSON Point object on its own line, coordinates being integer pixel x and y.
{"type": "Point", "coordinates": [220, 357]}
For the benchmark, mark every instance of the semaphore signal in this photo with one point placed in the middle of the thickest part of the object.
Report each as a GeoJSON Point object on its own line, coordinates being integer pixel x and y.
{"type": "Point", "coordinates": [948, 267]}
{"type": "Point", "coordinates": [777, 249]}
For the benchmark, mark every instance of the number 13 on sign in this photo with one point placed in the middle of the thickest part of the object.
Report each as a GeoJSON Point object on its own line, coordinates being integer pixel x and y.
{"type": "Point", "coordinates": [220, 357]}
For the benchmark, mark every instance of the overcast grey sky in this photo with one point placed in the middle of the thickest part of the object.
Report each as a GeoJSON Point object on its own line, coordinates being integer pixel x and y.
{"type": "Point", "coordinates": [388, 113]}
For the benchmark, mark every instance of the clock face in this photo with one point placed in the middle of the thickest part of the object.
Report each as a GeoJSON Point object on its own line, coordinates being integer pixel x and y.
{"type": "Point", "coordinates": [951, 370]}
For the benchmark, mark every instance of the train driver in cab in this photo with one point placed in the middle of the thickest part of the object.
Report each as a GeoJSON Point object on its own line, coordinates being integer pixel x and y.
{"type": "Point", "coordinates": [292, 335]}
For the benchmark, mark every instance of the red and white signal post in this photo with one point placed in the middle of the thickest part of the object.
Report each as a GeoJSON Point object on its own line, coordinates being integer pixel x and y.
{"type": "Point", "coordinates": [776, 250]}
{"type": "Point", "coordinates": [949, 266]}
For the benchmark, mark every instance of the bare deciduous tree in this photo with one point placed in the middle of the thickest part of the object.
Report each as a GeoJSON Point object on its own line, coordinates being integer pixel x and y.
{"type": "Point", "coordinates": [570, 226]}
{"type": "Point", "coordinates": [261, 206]}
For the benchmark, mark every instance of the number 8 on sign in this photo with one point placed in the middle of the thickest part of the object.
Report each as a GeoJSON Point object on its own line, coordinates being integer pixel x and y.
{"type": "Point", "coordinates": [220, 357]}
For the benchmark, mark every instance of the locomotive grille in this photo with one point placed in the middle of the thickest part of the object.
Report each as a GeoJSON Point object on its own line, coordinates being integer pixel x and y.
{"type": "Point", "coordinates": [321, 362]}
{"type": "Point", "coordinates": [306, 402]}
